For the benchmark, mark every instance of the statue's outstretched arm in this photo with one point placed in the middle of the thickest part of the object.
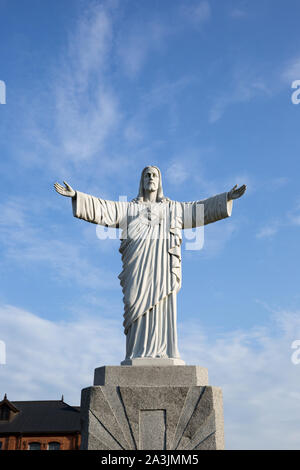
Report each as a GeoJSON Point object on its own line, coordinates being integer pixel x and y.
{"type": "Point", "coordinates": [236, 192]}
{"type": "Point", "coordinates": [65, 191]}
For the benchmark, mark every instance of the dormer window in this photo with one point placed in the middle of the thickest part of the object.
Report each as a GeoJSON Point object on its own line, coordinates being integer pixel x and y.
{"type": "Point", "coordinates": [4, 413]}
{"type": "Point", "coordinates": [7, 410]}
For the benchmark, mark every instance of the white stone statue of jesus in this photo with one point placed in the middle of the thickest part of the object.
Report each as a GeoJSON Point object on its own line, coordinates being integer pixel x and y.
{"type": "Point", "coordinates": [151, 254]}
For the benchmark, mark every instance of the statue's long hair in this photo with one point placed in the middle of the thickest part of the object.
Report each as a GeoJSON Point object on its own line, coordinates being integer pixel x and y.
{"type": "Point", "coordinates": [160, 194]}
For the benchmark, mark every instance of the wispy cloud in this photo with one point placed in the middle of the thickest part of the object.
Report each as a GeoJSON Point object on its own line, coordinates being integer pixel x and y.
{"type": "Point", "coordinates": [135, 45]}
{"type": "Point", "coordinates": [197, 13]}
{"type": "Point", "coordinates": [245, 88]}
{"type": "Point", "coordinates": [278, 182]}
{"type": "Point", "coordinates": [293, 215]}
{"type": "Point", "coordinates": [291, 70]}
{"type": "Point", "coordinates": [238, 13]}
{"type": "Point", "coordinates": [247, 83]}
{"type": "Point", "coordinates": [163, 95]}
{"type": "Point", "coordinates": [216, 238]}
{"type": "Point", "coordinates": [268, 230]}
{"type": "Point", "coordinates": [89, 112]}
{"type": "Point", "coordinates": [288, 219]}
{"type": "Point", "coordinates": [86, 109]}
{"type": "Point", "coordinates": [12, 213]}
{"type": "Point", "coordinates": [177, 172]}
{"type": "Point", "coordinates": [27, 244]}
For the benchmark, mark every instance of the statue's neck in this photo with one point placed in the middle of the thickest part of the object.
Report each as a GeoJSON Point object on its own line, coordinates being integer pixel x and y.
{"type": "Point", "coordinates": [150, 196]}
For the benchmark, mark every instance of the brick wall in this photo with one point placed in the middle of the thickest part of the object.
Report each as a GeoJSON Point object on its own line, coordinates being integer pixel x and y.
{"type": "Point", "coordinates": [67, 442]}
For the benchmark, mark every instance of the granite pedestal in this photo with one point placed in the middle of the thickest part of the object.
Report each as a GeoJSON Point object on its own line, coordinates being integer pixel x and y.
{"type": "Point", "coordinates": [152, 407]}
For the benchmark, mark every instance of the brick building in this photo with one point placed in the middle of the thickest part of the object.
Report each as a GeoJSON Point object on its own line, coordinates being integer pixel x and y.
{"type": "Point", "coordinates": [39, 425]}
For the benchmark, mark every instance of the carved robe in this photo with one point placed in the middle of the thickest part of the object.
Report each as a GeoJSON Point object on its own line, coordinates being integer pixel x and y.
{"type": "Point", "coordinates": [151, 255]}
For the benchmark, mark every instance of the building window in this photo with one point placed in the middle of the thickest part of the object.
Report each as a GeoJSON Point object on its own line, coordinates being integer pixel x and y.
{"type": "Point", "coordinates": [4, 413]}
{"type": "Point", "coordinates": [54, 446]}
{"type": "Point", "coordinates": [34, 446]}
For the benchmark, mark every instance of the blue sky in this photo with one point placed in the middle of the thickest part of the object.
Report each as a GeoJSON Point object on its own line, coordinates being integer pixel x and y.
{"type": "Point", "coordinates": [95, 91]}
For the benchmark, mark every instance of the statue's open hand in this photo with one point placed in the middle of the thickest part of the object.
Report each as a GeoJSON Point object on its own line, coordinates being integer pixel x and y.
{"type": "Point", "coordinates": [236, 192]}
{"type": "Point", "coordinates": [67, 191]}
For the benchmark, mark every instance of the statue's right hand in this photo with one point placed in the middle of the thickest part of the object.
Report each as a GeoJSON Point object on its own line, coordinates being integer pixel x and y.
{"type": "Point", "coordinates": [67, 191]}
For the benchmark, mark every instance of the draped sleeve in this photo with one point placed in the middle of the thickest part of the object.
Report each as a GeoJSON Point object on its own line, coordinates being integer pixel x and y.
{"type": "Point", "coordinates": [99, 211]}
{"type": "Point", "coordinates": [206, 211]}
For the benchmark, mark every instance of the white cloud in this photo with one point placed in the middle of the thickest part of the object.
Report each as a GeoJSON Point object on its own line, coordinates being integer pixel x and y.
{"type": "Point", "coordinates": [177, 173]}
{"type": "Point", "coordinates": [135, 46]}
{"type": "Point", "coordinates": [238, 13]}
{"type": "Point", "coordinates": [163, 95]}
{"type": "Point", "coordinates": [291, 70]}
{"type": "Point", "coordinates": [139, 42]}
{"type": "Point", "coordinates": [268, 230]}
{"type": "Point", "coordinates": [258, 379]}
{"type": "Point", "coordinates": [202, 11]}
{"type": "Point", "coordinates": [288, 219]}
{"type": "Point", "coordinates": [197, 13]}
{"type": "Point", "coordinates": [246, 86]}
{"type": "Point", "coordinates": [216, 237]}
{"type": "Point", "coordinates": [277, 183]}
{"type": "Point", "coordinates": [87, 112]}
{"type": "Point", "coordinates": [293, 216]}
{"type": "Point", "coordinates": [45, 359]}
{"type": "Point", "coordinates": [27, 244]}
{"type": "Point", "coordinates": [295, 219]}
{"type": "Point", "coordinates": [12, 213]}
{"type": "Point", "coordinates": [86, 109]}
{"type": "Point", "coordinates": [253, 367]}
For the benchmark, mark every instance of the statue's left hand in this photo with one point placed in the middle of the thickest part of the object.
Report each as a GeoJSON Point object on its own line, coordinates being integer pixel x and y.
{"type": "Point", "coordinates": [64, 191]}
{"type": "Point", "coordinates": [236, 192]}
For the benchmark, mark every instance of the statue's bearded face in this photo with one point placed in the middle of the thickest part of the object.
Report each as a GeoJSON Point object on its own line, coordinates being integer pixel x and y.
{"type": "Point", "coordinates": [151, 179]}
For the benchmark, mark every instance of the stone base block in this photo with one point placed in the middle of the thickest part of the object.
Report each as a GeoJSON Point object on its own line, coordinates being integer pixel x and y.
{"type": "Point", "coordinates": [171, 412]}
{"type": "Point", "coordinates": [172, 376]}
